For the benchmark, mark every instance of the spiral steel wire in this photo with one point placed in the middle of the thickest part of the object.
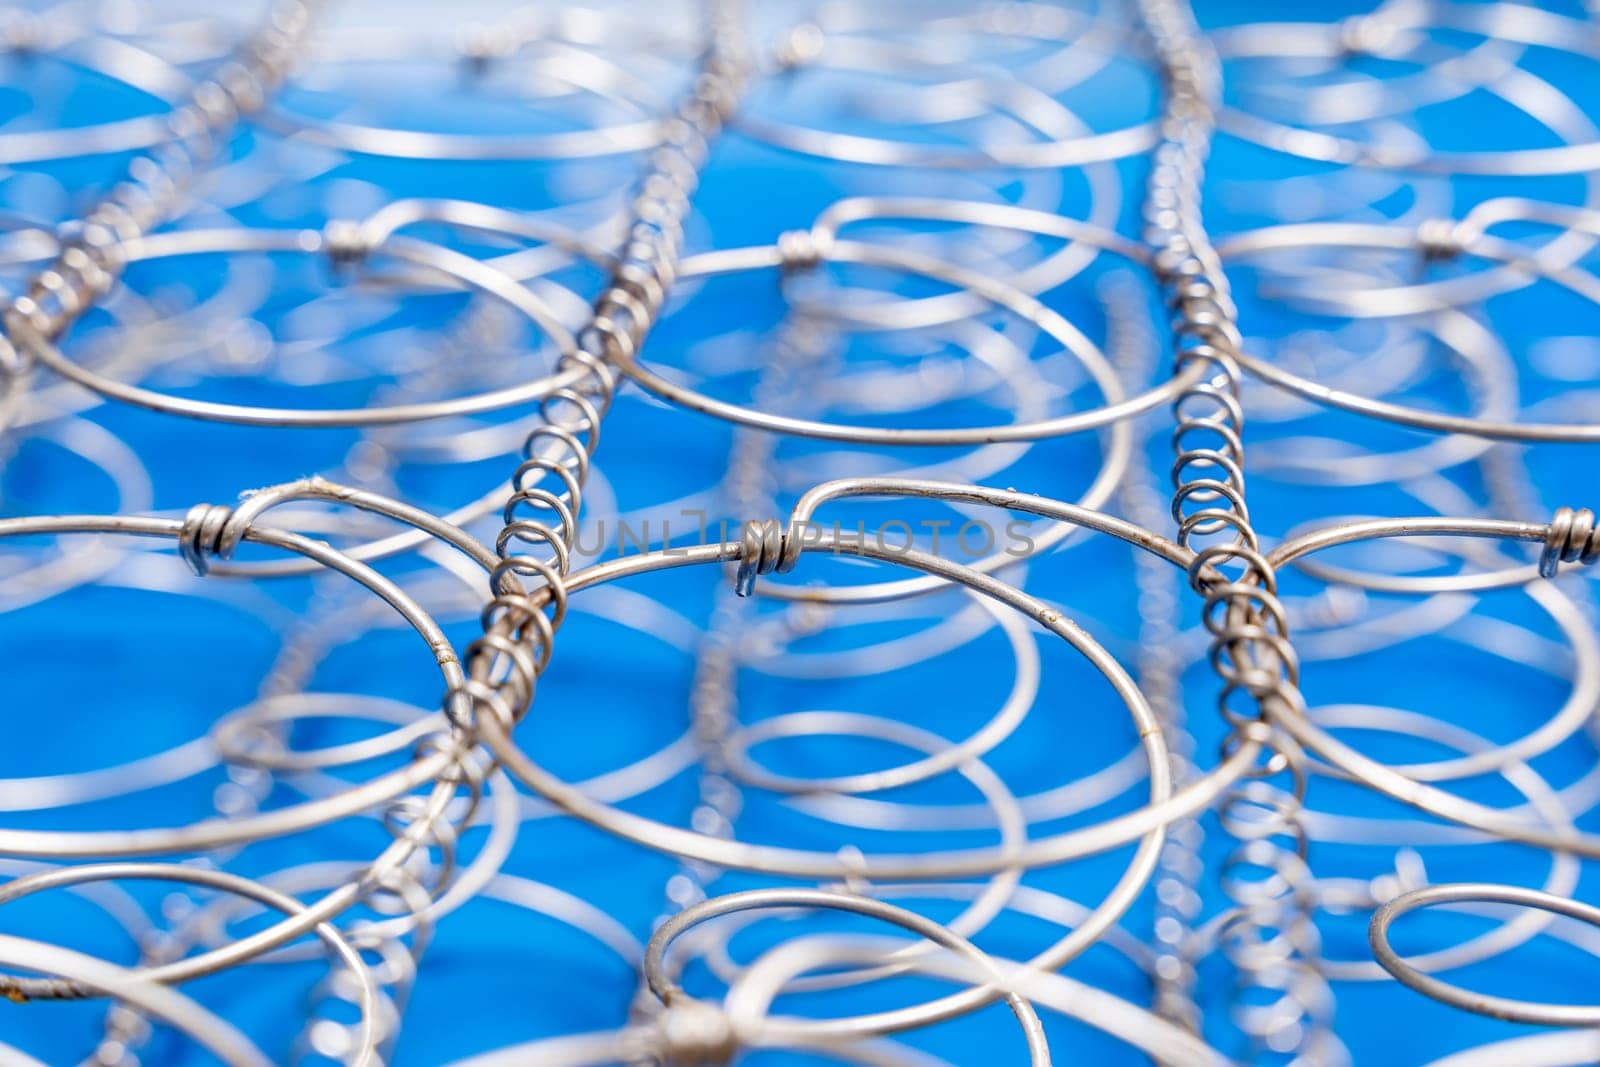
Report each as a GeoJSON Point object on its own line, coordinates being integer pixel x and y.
{"type": "Point", "coordinates": [868, 697]}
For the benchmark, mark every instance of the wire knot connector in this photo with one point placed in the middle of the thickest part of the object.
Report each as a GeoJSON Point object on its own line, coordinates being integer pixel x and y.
{"type": "Point", "coordinates": [205, 535]}
{"type": "Point", "coordinates": [801, 249]}
{"type": "Point", "coordinates": [695, 1034]}
{"type": "Point", "coordinates": [1573, 538]}
{"type": "Point", "coordinates": [764, 547]}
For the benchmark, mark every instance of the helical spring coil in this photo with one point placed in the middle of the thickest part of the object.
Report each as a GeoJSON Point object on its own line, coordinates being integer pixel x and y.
{"type": "Point", "coordinates": [505, 663]}
{"type": "Point", "coordinates": [90, 260]}
{"type": "Point", "coordinates": [404, 892]}
{"type": "Point", "coordinates": [1271, 938]}
{"type": "Point", "coordinates": [1160, 666]}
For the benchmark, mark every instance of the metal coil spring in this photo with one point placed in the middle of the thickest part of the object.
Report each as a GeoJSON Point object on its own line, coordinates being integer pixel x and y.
{"type": "Point", "coordinates": [506, 661]}
{"type": "Point", "coordinates": [748, 488]}
{"type": "Point", "coordinates": [326, 1033]}
{"type": "Point", "coordinates": [1284, 1005]}
{"type": "Point", "coordinates": [124, 1029]}
{"type": "Point", "coordinates": [325, 1036]}
{"type": "Point", "coordinates": [90, 260]}
{"type": "Point", "coordinates": [1160, 667]}
{"type": "Point", "coordinates": [624, 312]}
{"type": "Point", "coordinates": [404, 893]}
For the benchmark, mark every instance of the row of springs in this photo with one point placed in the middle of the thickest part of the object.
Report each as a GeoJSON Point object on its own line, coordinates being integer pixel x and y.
{"type": "Point", "coordinates": [541, 517]}
{"type": "Point", "coordinates": [91, 257]}
{"type": "Point", "coordinates": [541, 514]}
{"type": "Point", "coordinates": [1283, 1005]}
{"type": "Point", "coordinates": [748, 488]}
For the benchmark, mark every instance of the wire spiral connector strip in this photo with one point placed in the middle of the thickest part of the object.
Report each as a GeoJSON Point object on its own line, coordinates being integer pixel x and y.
{"type": "Point", "coordinates": [1272, 940]}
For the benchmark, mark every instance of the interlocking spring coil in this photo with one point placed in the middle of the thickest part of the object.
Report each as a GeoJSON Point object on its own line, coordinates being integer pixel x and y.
{"type": "Point", "coordinates": [90, 262]}
{"type": "Point", "coordinates": [428, 865]}
{"type": "Point", "coordinates": [505, 663]}
{"type": "Point", "coordinates": [1270, 938]}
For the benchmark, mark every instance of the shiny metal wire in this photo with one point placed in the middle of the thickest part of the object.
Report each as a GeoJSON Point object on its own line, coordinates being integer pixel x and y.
{"type": "Point", "coordinates": [1284, 1005]}
{"type": "Point", "coordinates": [943, 785]}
